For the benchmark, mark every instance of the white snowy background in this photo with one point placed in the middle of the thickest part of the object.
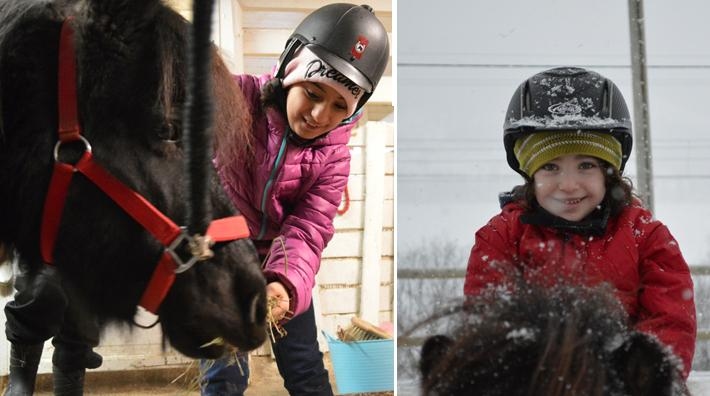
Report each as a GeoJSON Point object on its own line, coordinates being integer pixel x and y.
{"type": "Point", "coordinates": [458, 63]}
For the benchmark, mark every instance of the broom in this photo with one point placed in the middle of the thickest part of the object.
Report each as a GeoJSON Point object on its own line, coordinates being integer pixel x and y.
{"type": "Point", "coordinates": [362, 330]}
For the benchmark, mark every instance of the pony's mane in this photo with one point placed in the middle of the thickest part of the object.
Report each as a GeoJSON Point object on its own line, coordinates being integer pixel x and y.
{"type": "Point", "coordinates": [231, 141]}
{"type": "Point", "coordinates": [13, 13]}
{"type": "Point", "coordinates": [541, 338]}
{"type": "Point", "coordinates": [232, 118]}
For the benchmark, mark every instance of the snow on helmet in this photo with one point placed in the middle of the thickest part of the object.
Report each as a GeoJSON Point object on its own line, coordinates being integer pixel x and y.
{"type": "Point", "coordinates": [564, 99]}
{"type": "Point", "coordinates": [348, 37]}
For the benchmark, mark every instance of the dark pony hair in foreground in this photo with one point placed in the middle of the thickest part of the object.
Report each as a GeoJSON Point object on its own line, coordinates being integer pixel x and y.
{"type": "Point", "coordinates": [566, 340]}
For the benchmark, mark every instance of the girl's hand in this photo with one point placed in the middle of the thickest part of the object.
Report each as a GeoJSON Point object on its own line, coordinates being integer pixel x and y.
{"type": "Point", "coordinates": [277, 292]}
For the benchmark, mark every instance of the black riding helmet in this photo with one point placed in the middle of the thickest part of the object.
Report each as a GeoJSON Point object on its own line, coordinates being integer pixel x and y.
{"type": "Point", "coordinates": [564, 99]}
{"type": "Point", "coordinates": [348, 37]}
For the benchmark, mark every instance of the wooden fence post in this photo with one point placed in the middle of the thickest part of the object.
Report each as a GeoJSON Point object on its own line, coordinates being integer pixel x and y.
{"type": "Point", "coordinates": [375, 134]}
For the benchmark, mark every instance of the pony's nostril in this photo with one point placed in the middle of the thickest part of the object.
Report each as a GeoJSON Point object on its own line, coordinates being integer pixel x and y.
{"type": "Point", "coordinates": [254, 311]}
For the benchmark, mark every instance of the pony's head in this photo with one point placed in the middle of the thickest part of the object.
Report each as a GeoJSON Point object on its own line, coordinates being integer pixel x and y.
{"type": "Point", "coordinates": [131, 61]}
{"type": "Point", "coordinates": [566, 340]}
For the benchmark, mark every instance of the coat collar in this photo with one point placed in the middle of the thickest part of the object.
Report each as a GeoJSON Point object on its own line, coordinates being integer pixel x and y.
{"type": "Point", "coordinates": [594, 224]}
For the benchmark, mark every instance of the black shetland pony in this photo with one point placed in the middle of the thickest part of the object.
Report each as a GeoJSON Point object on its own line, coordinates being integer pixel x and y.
{"type": "Point", "coordinates": [131, 88]}
{"type": "Point", "coordinates": [535, 341]}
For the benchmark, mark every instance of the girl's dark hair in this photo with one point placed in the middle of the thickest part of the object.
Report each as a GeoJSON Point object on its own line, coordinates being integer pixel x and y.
{"type": "Point", "coordinates": [273, 94]}
{"type": "Point", "coordinates": [619, 190]}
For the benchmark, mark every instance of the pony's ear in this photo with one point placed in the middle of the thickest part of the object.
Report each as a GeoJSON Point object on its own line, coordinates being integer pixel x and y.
{"type": "Point", "coordinates": [433, 351]}
{"type": "Point", "coordinates": [645, 366]}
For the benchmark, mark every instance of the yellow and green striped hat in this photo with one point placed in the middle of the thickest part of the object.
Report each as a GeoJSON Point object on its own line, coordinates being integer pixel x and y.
{"type": "Point", "coordinates": [537, 149]}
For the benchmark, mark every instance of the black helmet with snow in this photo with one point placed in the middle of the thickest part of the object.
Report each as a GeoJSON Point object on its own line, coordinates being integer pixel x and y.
{"type": "Point", "coordinates": [567, 99]}
{"type": "Point", "coordinates": [349, 38]}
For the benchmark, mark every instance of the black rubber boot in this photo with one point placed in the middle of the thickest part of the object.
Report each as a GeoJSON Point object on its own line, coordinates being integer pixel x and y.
{"type": "Point", "coordinates": [70, 362]}
{"type": "Point", "coordinates": [24, 360]}
{"type": "Point", "coordinates": [68, 382]}
{"type": "Point", "coordinates": [93, 360]}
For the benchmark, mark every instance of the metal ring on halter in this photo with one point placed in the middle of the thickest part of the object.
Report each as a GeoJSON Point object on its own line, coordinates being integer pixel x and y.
{"type": "Point", "coordinates": [87, 147]}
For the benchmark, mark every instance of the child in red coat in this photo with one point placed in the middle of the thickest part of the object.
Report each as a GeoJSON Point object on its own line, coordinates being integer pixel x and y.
{"type": "Point", "coordinates": [568, 133]}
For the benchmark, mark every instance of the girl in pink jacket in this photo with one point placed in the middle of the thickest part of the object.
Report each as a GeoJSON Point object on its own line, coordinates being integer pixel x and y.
{"type": "Point", "coordinates": [290, 185]}
{"type": "Point", "coordinates": [568, 132]}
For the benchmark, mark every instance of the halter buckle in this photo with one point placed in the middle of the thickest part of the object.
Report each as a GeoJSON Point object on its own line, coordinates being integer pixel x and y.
{"type": "Point", "coordinates": [181, 244]}
{"type": "Point", "coordinates": [187, 250]}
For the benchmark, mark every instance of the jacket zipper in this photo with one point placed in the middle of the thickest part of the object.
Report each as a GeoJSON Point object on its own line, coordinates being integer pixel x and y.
{"type": "Point", "coordinates": [565, 241]}
{"type": "Point", "coordinates": [267, 186]}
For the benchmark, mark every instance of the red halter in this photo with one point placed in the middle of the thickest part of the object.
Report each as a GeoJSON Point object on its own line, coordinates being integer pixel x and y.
{"type": "Point", "coordinates": [160, 226]}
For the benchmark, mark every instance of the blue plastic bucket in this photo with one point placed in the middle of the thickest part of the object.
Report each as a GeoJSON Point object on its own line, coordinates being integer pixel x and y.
{"type": "Point", "coordinates": [362, 366]}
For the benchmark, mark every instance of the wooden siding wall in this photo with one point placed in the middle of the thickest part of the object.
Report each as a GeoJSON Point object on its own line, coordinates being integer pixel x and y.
{"type": "Point", "coordinates": [357, 271]}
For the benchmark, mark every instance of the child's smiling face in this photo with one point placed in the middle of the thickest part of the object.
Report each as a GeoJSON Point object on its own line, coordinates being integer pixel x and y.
{"type": "Point", "coordinates": [313, 109]}
{"type": "Point", "coordinates": [570, 186]}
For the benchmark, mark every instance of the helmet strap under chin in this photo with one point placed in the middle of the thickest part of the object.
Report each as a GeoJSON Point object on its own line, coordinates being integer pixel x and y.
{"type": "Point", "coordinates": [298, 141]}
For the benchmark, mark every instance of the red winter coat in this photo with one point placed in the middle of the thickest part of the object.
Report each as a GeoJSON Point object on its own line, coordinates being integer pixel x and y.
{"type": "Point", "coordinates": [291, 194]}
{"type": "Point", "coordinates": [637, 255]}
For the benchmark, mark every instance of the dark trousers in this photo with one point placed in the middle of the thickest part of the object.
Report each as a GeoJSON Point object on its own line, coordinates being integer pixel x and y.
{"type": "Point", "coordinates": [298, 358]}
{"type": "Point", "coordinates": [40, 310]}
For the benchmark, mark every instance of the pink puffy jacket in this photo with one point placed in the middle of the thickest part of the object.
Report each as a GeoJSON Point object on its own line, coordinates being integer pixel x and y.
{"type": "Point", "coordinates": [290, 196]}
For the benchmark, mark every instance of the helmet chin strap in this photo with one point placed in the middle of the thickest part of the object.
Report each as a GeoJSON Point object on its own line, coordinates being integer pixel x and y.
{"type": "Point", "coordinates": [298, 141]}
